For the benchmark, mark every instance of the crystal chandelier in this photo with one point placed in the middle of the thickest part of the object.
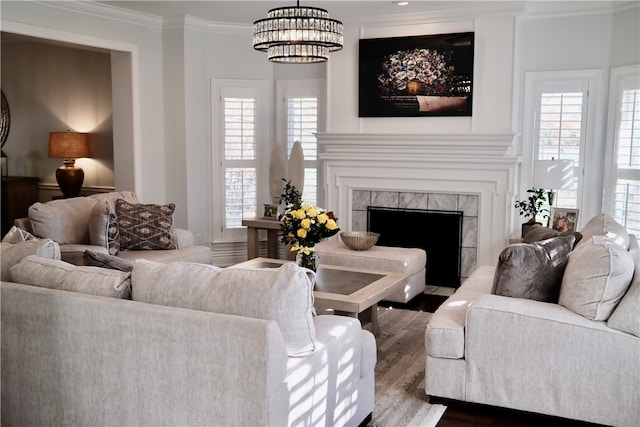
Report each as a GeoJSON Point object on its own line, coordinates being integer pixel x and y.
{"type": "Point", "coordinates": [297, 35]}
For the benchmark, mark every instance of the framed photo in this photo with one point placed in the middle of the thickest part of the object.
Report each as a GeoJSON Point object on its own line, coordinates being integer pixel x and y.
{"type": "Point", "coordinates": [564, 219]}
{"type": "Point", "coordinates": [416, 76]}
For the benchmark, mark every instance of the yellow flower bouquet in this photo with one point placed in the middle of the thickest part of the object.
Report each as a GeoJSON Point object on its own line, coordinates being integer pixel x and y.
{"type": "Point", "coordinates": [303, 228]}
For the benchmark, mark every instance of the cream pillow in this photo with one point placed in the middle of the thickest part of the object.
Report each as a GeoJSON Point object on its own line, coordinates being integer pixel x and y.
{"type": "Point", "coordinates": [13, 253]}
{"type": "Point", "coordinates": [626, 317]}
{"type": "Point", "coordinates": [596, 277]}
{"type": "Point", "coordinates": [284, 294]}
{"type": "Point", "coordinates": [55, 274]}
{"type": "Point", "coordinates": [103, 227]}
{"type": "Point", "coordinates": [17, 235]}
{"type": "Point", "coordinates": [605, 225]}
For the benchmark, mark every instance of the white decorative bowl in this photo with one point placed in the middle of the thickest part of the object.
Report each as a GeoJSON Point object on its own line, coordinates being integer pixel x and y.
{"type": "Point", "coordinates": [359, 240]}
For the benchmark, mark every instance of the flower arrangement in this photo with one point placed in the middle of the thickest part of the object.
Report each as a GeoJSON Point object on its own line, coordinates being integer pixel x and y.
{"type": "Point", "coordinates": [420, 71]}
{"type": "Point", "coordinates": [304, 227]}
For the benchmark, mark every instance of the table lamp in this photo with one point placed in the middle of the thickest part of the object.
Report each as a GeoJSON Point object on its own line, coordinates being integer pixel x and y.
{"type": "Point", "coordinates": [69, 146]}
{"type": "Point", "coordinates": [552, 175]}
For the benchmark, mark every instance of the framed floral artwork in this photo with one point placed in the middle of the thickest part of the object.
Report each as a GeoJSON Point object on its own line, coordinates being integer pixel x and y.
{"type": "Point", "coordinates": [564, 219]}
{"type": "Point", "coordinates": [416, 76]}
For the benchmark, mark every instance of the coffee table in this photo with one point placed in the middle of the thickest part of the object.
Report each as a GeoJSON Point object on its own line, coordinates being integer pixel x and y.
{"type": "Point", "coordinates": [344, 290]}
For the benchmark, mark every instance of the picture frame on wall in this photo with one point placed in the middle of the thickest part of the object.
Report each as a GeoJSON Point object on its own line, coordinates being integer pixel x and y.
{"type": "Point", "coordinates": [564, 219]}
{"type": "Point", "coordinates": [416, 76]}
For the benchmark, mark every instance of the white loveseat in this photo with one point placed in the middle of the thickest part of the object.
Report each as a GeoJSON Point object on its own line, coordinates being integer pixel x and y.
{"type": "Point", "coordinates": [87, 223]}
{"type": "Point", "coordinates": [198, 345]}
{"type": "Point", "coordinates": [576, 358]}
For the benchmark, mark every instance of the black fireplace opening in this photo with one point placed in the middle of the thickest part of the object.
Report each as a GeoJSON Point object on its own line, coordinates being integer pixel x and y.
{"type": "Point", "coordinates": [439, 233]}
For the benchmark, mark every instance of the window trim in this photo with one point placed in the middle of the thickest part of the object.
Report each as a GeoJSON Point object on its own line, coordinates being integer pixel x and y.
{"type": "Point", "coordinates": [616, 86]}
{"type": "Point", "coordinates": [263, 91]}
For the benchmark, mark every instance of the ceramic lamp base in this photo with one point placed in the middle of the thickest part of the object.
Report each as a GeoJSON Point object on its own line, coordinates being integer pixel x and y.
{"type": "Point", "coordinates": [70, 179]}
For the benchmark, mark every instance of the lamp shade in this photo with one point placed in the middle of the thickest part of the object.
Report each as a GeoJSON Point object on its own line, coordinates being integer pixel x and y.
{"type": "Point", "coordinates": [68, 145]}
{"type": "Point", "coordinates": [553, 174]}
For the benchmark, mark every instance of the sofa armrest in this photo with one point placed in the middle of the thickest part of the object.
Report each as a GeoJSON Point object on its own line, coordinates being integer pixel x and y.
{"type": "Point", "coordinates": [542, 357]}
{"type": "Point", "coordinates": [183, 238]}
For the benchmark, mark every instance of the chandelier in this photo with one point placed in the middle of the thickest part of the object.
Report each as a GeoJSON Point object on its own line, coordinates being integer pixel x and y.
{"type": "Point", "coordinates": [297, 35]}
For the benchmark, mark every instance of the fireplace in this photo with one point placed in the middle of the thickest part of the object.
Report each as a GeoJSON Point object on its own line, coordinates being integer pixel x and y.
{"type": "Point", "coordinates": [473, 173]}
{"type": "Point", "coordinates": [439, 233]}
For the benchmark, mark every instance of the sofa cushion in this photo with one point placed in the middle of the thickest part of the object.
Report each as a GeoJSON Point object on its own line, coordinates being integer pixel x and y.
{"type": "Point", "coordinates": [65, 221]}
{"type": "Point", "coordinates": [56, 274]}
{"type": "Point", "coordinates": [11, 253]}
{"type": "Point", "coordinates": [17, 235]}
{"type": "Point", "coordinates": [103, 227]}
{"type": "Point", "coordinates": [533, 271]}
{"type": "Point", "coordinates": [99, 259]}
{"type": "Point", "coordinates": [145, 226]}
{"type": "Point", "coordinates": [626, 316]}
{"type": "Point", "coordinates": [605, 225]}
{"type": "Point", "coordinates": [598, 274]}
{"type": "Point", "coordinates": [284, 294]}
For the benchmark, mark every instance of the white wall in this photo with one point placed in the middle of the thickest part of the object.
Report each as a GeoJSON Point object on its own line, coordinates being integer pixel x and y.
{"type": "Point", "coordinates": [57, 88]}
{"type": "Point", "coordinates": [492, 91]}
{"type": "Point", "coordinates": [145, 137]}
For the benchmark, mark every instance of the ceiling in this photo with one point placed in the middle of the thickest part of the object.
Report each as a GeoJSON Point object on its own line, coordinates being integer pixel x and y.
{"type": "Point", "coordinates": [246, 12]}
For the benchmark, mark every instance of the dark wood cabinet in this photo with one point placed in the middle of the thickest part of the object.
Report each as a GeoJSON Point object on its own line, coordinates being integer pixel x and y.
{"type": "Point", "coordinates": [18, 193]}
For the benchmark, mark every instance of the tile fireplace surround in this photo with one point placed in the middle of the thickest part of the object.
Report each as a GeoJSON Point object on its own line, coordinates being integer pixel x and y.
{"type": "Point", "coordinates": [473, 173]}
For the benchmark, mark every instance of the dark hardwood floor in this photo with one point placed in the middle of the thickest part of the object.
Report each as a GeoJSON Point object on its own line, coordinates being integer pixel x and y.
{"type": "Point", "coordinates": [463, 414]}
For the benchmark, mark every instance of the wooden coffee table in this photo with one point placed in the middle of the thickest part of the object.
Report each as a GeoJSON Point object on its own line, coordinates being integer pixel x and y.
{"type": "Point", "coordinates": [348, 291]}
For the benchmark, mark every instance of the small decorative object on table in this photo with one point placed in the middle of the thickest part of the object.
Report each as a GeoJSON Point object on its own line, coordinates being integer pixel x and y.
{"type": "Point", "coordinates": [303, 226]}
{"type": "Point", "coordinates": [359, 240]}
{"type": "Point", "coordinates": [270, 212]}
{"type": "Point", "coordinates": [532, 207]}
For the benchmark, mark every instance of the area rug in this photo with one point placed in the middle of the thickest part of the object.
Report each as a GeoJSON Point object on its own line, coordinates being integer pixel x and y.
{"type": "Point", "coordinates": [400, 396]}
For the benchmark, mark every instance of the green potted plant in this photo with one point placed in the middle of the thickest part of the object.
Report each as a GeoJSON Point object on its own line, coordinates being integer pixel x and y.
{"type": "Point", "coordinates": [533, 207]}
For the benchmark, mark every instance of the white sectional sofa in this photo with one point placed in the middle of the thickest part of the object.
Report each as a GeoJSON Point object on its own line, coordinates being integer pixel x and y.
{"type": "Point", "coordinates": [197, 345]}
{"type": "Point", "coordinates": [576, 357]}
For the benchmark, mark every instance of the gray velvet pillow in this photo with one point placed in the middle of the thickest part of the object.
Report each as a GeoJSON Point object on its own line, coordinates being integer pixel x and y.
{"type": "Point", "coordinates": [99, 259]}
{"type": "Point", "coordinates": [533, 271]}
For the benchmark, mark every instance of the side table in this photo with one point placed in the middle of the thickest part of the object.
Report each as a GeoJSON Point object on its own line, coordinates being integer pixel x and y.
{"type": "Point", "coordinates": [253, 225]}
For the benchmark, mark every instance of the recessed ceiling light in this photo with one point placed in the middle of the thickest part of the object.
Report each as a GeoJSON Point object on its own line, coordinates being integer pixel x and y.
{"type": "Point", "coordinates": [401, 3]}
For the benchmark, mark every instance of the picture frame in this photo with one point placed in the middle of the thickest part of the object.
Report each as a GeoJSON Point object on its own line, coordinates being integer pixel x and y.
{"type": "Point", "coordinates": [416, 76]}
{"type": "Point", "coordinates": [564, 219]}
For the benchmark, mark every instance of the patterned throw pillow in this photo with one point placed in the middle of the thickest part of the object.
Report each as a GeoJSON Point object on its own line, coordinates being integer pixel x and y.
{"type": "Point", "coordinates": [144, 226]}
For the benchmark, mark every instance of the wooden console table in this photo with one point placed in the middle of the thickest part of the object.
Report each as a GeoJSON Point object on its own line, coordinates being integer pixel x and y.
{"type": "Point", "coordinates": [253, 225]}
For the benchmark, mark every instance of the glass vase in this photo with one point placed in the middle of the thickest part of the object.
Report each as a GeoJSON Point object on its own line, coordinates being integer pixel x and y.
{"type": "Point", "coordinates": [311, 261]}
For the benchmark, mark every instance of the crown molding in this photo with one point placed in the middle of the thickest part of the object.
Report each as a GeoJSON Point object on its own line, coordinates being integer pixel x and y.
{"type": "Point", "coordinates": [541, 10]}
{"type": "Point", "coordinates": [507, 8]}
{"type": "Point", "coordinates": [199, 24]}
{"type": "Point", "coordinates": [105, 11]}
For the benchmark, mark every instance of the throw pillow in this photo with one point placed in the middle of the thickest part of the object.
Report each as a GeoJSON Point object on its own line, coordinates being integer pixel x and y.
{"type": "Point", "coordinates": [145, 226]}
{"type": "Point", "coordinates": [284, 294]}
{"type": "Point", "coordinates": [11, 254]}
{"type": "Point", "coordinates": [598, 274]}
{"type": "Point", "coordinates": [56, 274]}
{"type": "Point", "coordinates": [65, 221]}
{"type": "Point", "coordinates": [98, 259]}
{"type": "Point", "coordinates": [103, 227]}
{"type": "Point", "coordinates": [533, 271]}
{"type": "Point", "coordinates": [17, 235]}
{"type": "Point", "coordinates": [605, 225]}
{"type": "Point", "coordinates": [537, 233]}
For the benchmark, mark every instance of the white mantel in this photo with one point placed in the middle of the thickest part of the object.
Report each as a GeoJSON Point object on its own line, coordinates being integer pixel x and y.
{"type": "Point", "coordinates": [481, 164]}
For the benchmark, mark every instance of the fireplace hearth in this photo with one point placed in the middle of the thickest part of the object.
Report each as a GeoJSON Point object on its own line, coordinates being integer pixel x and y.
{"type": "Point", "coordinates": [438, 232]}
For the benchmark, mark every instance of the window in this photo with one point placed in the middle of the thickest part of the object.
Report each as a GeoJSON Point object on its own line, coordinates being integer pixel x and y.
{"type": "Point", "coordinates": [240, 172]}
{"type": "Point", "coordinates": [239, 130]}
{"type": "Point", "coordinates": [624, 186]}
{"type": "Point", "coordinates": [299, 118]}
{"type": "Point", "coordinates": [302, 124]}
{"type": "Point", "coordinates": [559, 123]}
{"type": "Point", "coordinates": [560, 130]}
